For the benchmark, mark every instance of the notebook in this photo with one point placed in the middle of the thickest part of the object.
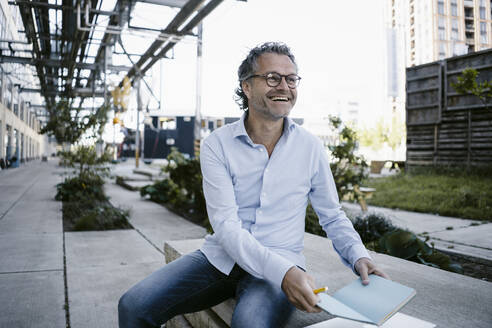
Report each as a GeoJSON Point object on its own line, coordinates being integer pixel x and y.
{"type": "Point", "coordinates": [374, 303]}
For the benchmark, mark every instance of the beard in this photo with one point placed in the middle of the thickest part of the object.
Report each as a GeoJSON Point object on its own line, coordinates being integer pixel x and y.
{"type": "Point", "coordinates": [269, 109]}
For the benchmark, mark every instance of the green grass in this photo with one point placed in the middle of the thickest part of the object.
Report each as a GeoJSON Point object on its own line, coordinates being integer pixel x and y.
{"type": "Point", "coordinates": [447, 193]}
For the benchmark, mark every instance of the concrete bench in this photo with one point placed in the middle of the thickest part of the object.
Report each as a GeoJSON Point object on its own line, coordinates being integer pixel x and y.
{"type": "Point", "coordinates": [444, 298]}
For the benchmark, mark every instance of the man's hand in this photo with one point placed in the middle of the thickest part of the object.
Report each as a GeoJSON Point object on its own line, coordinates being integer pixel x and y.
{"type": "Point", "coordinates": [298, 286]}
{"type": "Point", "coordinates": [365, 267]}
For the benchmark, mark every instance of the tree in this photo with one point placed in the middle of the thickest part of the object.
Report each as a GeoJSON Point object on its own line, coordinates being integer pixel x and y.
{"type": "Point", "coordinates": [67, 124]}
{"type": "Point", "coordinates": [348, 168]}
{"type": "Point", "coordinates": [376, 137]}
{"type": "Point", "coordinates": [373, 137]}
{"type": "Point", "coordinates": [467, 83]}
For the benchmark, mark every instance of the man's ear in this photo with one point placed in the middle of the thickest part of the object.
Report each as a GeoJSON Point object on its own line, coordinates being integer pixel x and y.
{"type": "Point", "coordinates": [246, 88]}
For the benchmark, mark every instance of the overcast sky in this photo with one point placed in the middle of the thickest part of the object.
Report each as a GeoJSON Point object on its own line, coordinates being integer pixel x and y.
{"type": "Point", "coordinates": [339, 47]}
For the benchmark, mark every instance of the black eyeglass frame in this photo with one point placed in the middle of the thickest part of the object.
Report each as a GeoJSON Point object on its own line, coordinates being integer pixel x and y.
{"type": "Point", "coordinates": [270, 74]}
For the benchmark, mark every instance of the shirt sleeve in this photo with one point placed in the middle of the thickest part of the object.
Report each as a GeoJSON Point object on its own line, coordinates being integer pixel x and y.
{"type": "Point", "coordinates": [324, 199]}
{"type": "Point", "coordinates": [222, 210]}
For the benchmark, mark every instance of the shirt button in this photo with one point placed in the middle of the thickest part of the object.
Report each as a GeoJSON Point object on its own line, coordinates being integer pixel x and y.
{"type": "Point", "coordinates": [261, 149]}
{"type": "Point", "coordinates": [266, 170]}
{"type": "Point", "coordinates": [263, 194]}
{"type": "Point", "coordinates": [259, 211]}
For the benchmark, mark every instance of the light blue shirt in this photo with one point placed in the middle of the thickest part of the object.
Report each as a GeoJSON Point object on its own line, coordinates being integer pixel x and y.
{"type": "Point", "coordinates": [257, 205]}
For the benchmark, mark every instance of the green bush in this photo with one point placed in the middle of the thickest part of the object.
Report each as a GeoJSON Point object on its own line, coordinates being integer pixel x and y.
{"type": "Point", "coordinates": [88, 215]}
{"type": "Point", "coordinates": [163, 191]}
{"type": "Point", "coordinates": [371, 227]}
{"type": "Point", "coordinates": [406, 245]}
{"type": "Point", "coordinates": [75, 188]}
{"type": "Point", "coordinates": [85, 206]}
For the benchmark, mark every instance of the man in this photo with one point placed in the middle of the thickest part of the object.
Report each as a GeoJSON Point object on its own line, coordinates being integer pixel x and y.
{"type": "Point", "coordinates": [258, 175]}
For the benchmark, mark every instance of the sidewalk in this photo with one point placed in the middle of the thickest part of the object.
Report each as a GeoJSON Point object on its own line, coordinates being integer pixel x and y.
{"type": "Point", "coordinates": [31, 244]}
{"type": "Point", "coordinates": [41, 267]}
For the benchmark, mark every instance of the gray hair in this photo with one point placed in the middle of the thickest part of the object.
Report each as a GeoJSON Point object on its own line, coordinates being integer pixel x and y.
{"type": "Point", "coordinates": [250, 64]}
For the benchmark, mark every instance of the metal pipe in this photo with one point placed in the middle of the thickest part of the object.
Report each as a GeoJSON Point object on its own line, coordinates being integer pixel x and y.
{"type": "Point", "coordinates": [60, 7]}
{"type": "Point", "coordinates": [15, 41]}
{"type": "Point", "coordinates": [116, 30]}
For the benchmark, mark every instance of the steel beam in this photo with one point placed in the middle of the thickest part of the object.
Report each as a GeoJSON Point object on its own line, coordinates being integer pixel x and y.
{"type": "Point", "coordinates": [44, 107]}
{"type": "Point", "coordinates": [185, 12]}
{"type": "Point", "coordinates": [28, 20]}
{"type": "Point", "coordinates": [61, 63]}
{"type": "Point", "coordinates": [169, 3]}
{"type": "Point", "coordinates": [187, 29]}
{"type": "Point", "coordinates": [59, 7]}
{"type": "Point", "coordinates": [77, 92]}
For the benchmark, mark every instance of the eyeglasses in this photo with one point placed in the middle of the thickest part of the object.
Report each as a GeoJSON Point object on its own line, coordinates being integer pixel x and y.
{"type": "Point", "coordinates": [274, 79]}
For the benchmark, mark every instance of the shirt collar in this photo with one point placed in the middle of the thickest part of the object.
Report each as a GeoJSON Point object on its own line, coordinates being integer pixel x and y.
{"type": "Point", "coordinates": [240, 130]}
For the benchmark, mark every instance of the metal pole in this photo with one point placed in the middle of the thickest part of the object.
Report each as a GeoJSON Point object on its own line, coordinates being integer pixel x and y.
{"type": "Point", "coordinates": [198, 115]}
{"type": "Point", "coordinates": [137, 130]}
{"type": "Point", "coordinates": [115, 155]}
{"type": "Point", "coordinates": [105, 75]}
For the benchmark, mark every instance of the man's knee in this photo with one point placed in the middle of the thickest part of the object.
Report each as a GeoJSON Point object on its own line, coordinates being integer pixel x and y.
{"type": "Point", "coordinates": [126, 304]}
{"type": "Point", "coordinates": [130, 310]}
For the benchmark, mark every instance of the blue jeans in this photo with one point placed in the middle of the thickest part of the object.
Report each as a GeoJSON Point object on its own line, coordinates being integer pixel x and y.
{"type": "Point", "coordinates": [190, 284]}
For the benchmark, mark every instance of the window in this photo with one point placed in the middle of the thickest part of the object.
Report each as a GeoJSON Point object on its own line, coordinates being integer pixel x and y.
{"type": "Point", "coordinates": [15, 102]}
{"type": "Point", "coordinates": [483, 32]}
{"type": "Point", "coordinates": [21, 112]}
{"type": "Point", "coordinates": [482, 11]}
{"type": "Point", "coordinates": [454, 30]}
{"type": "Point", "coordinates": [440, 7]}
{"type": "Point", "coordinates": [8, 95]}
{"type": "Point", "coordinates": [454, 8]}
{"type": "Point", "coordinates": [442, 50]}
{"type": "Point", "coordinates": [442, 28]}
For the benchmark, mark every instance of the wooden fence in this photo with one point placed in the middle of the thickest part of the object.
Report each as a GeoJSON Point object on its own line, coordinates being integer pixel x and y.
{"type": "Point", "coordinates": [444, 127]}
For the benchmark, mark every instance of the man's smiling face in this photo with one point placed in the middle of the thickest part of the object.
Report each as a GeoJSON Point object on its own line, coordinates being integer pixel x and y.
{"type": "Point", "coordinates": [272, 103]}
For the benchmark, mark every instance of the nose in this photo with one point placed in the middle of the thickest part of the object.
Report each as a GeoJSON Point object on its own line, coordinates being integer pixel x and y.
{"type": "Point", "coordinates": [283, 83]}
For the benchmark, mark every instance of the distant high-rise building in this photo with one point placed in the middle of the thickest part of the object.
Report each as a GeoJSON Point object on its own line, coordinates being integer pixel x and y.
{"type": "Point", "coordinates": [437, 29]}
{"type": "Point", "coordinates": [423, 31]}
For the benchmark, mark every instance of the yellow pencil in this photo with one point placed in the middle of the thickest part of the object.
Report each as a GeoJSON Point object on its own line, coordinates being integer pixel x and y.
{"type": "Point", "coordinates": [320, 290]}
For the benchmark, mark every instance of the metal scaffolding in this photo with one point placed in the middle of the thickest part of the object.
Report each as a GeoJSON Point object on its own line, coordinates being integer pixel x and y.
{"type": "Point", "coordinates": [58, 45]}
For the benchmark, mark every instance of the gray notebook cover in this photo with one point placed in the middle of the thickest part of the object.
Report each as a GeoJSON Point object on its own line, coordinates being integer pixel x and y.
{"type": "Point", "coordinates": [374, 303]}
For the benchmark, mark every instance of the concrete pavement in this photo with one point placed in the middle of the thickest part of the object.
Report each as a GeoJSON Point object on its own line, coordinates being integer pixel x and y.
{"type": "Point", "coordinates": [31, 244]}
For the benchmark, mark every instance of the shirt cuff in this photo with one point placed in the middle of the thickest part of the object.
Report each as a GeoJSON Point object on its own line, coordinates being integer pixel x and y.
{"type": "Point", "coordinates": [275, 269]}
{"type": "Point", "coordinates": [357, 252]}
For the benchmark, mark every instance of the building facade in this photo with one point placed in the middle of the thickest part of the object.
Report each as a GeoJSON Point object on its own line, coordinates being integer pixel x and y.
{"type": "Point", "coordinates": [424, 31]}
{"type": "Point", "coordinates": [20, 140]}
{"type": "Point", "coordinates": [437, 29]}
